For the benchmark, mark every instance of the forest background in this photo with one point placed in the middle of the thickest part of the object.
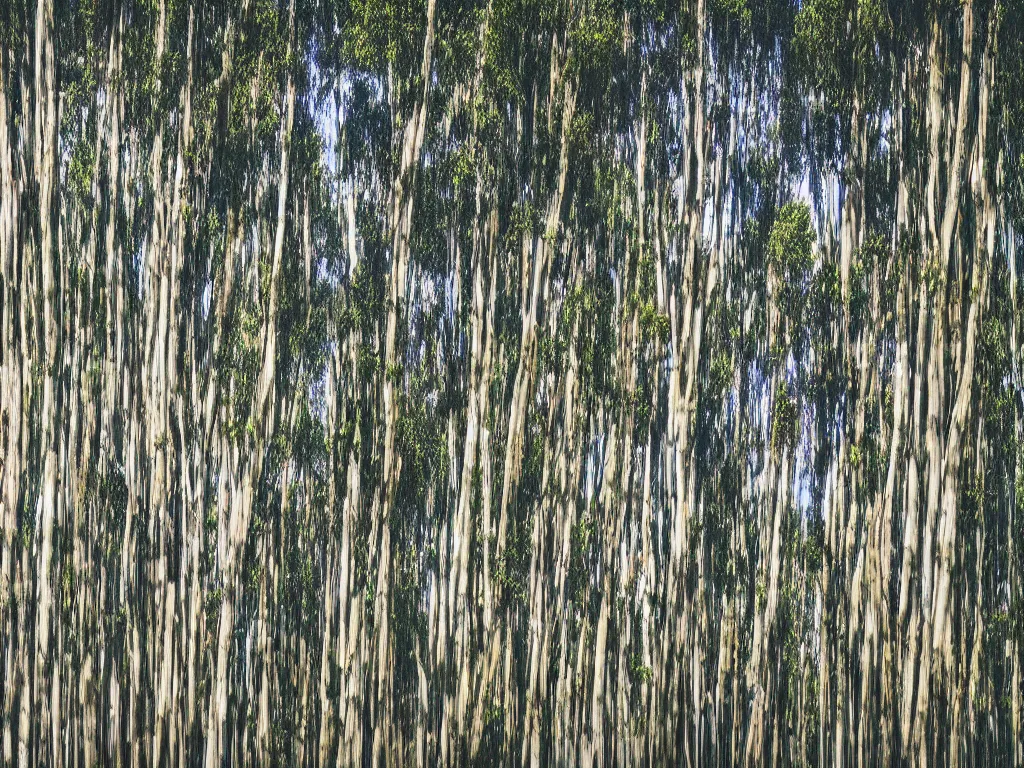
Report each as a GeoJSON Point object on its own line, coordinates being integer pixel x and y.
{"type": "Point", "coordinates": [507, 381]}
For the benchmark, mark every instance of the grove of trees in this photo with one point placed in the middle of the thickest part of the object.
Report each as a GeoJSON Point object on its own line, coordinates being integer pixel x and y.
{"type": "Point", "coordinates": [505, 382]}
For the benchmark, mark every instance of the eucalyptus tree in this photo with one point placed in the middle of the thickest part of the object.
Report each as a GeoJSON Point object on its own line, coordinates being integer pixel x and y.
{"type": "Point", "coordinates": [504, 381]}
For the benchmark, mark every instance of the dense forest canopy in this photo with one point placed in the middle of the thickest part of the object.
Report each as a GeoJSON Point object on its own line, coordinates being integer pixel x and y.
{"type": "Point", "coordinates": [473, 382]}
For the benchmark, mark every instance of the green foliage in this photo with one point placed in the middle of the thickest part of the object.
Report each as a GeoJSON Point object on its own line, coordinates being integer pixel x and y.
{"type": "Point", "coordinates": [994, 341]}
{"type": "Point", "coordinates": [581, 131]}
{"type": "Point", "coordinates": [653, 324]}
{"type": "Point", "coordinates": [590, 309]}
{"type": "Point", "coordinates": [721, 372]}
{"type": "Point", "coordinates": [583, 541]}
{"type": "Point", "coordinates": [214, 597]}
{"type": "Point", "coordinates": [463, 169]}
{"type": "Point", "coordinates": [512, 565]}
{"type": "Point", "coordinates": [368, 298]}
{"type": "Point", "coordinates": [832, 59]}
{"type": "Point", "coordinates": [934, 276]}
{"type": "Point", "coordinates": [382, 32]}
{"type": "Point", "coordinates": [814, 545]}
{"type": "Point", "coordinates": [238, 367]}
{"type": "Point", "coordinates": [595, 38]}
{"type": "Point", "coordinates": [80, 172]}
{"type": "Point", "coordinates": [524, 220]}
{"type": "Point", "coordinates": [820, 33]}
{"type": "Point", "coordinates": [308, 445]}
{"type": "Point", "coordinates": [972, 502]}
{"type": "Point", "coordinates": [737, 11]}
{"type": "Point", "coordinates": [791, 240]}
{"type": "Point", "coordinates": [784, 420]}
{"type": "Point", "coordinates": [422, 442]}
{"type": "Point", "coordinates": [873, 253]}
{"type": "Point", "coordinates": [458, 29]}
{"type": "Point", "coordinates": [640, 673]}
{"type": "Point", "coordinates": [790, 256]}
